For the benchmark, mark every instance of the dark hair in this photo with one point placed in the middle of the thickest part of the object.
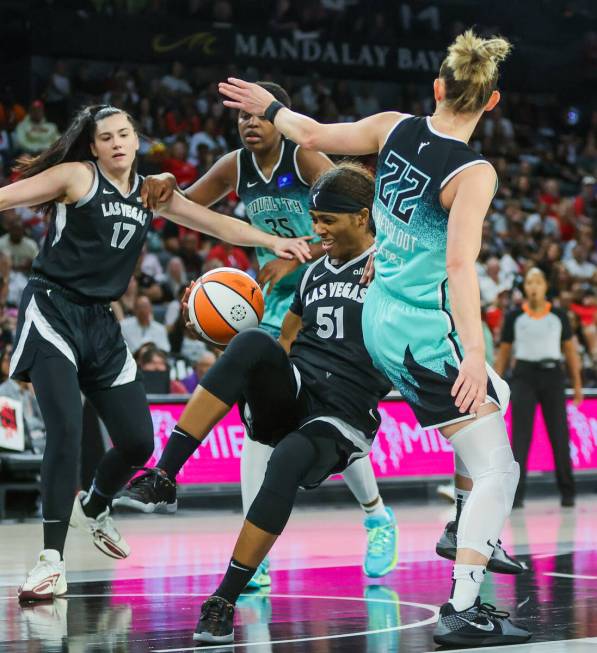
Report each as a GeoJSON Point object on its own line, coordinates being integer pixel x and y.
{"type": "Point", "coordinates": [277, 91]}
{"type": "Point", "coordinates": [146, 355]}
{"type": "Point", "coordinates": [352, 179]}
{"type": "Point", "coordinates": [73, 145]}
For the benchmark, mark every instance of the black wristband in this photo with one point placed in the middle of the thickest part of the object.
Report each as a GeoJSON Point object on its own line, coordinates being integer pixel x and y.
{"type": "Point", "coordinates": [272, 110]}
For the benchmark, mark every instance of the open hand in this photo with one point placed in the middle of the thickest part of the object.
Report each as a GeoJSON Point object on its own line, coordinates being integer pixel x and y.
{"type": "Point", "coordinates": [245, 96]}
{"type": "Point", "coordinates": [369, 271]}
{"type": "Point", "coordinates": [292, 248]}
{"type": "Point", "coordinates": [275, 270]}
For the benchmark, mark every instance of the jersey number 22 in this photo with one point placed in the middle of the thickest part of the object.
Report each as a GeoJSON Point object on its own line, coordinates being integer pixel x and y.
{"type": "Point", "coordinates": [401, 202]}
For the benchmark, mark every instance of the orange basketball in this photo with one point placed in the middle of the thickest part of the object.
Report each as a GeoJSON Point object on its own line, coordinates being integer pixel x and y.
{"type": "Point", "coordinates": [224, 302]}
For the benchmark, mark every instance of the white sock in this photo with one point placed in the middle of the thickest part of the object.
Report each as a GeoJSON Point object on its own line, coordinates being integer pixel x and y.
{"type": "Point", "coordinates": [360, 479]}
{"type": "Point", "coordinates": [467, 584]}
{"type": "Point", "coordinates": [378, 509]}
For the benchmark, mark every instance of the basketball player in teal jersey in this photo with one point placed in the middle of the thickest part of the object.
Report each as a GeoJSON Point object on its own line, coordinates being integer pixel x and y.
{"type": "Point", "coordinates": [422, 318]}
{"type": "Point", "coordinates": [272, 176]}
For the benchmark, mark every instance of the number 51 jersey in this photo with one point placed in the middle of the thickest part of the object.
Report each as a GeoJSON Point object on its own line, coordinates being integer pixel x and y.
{"type": "Point", "coordinates": [329, 351]}
{"type": "Point", "coordinates": [92, 246]}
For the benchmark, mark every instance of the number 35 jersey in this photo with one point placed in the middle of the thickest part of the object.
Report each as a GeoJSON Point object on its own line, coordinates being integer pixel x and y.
{"type": "Point", "coordinates": [92, 246]}
{"type": "Point", "coordinates": [413, 167]}
{"type": "Point", "coordinates": [278, 205]}
{"type": "Point", "coordinates": [329, 351]}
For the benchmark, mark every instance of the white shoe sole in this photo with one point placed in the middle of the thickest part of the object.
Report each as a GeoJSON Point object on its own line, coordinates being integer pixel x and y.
{"type": "Point", "coordinates": [161, 506]}
{"type": "Point", "coordinates": [37, 592]}
{"type": "Point", "coordinates": [208, 638]}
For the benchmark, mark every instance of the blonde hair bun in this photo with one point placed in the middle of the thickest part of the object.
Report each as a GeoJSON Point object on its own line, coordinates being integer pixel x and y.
{"type": "Point", "coordinates": [475, 59]}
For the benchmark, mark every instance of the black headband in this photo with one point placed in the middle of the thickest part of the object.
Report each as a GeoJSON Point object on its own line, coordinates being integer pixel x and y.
{"type": "Point", "coordinates": [321, 199]}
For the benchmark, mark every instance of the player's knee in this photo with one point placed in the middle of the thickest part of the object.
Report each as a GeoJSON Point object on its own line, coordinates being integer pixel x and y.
{"type": "Point", "coordinates": [138, 448]}
{"type": "Point", "coordinates": [251, 345]}
{"type": "Point", "coordinates": [291, 460]}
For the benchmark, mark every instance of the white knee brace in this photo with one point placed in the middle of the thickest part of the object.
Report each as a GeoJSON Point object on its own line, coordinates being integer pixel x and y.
{"type": "Point", "coordinates": [484, 449]}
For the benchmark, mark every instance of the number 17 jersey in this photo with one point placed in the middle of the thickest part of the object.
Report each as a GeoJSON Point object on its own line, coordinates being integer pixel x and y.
{"type": "Point", "coordinates": [278, 205]}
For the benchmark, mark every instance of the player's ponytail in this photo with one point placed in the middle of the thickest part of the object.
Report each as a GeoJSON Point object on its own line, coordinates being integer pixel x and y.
{"type": "Point", "coordinates": [73, 145]}
{"type": "Point", "coordinates": [470, 71]}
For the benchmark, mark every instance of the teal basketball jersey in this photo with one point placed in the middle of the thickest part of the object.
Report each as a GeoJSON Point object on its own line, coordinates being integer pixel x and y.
{"type": "Point", "coordinates": [280, 206]}
{"type": "Point", "coordinates": [413, 167]}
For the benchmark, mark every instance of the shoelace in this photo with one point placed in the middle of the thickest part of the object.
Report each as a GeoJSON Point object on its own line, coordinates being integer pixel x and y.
{"type": "Point", "coordinates": [490, 610]}
{"type": "Point", "coordinates": [379, 538]}
{"type": "Point", "coordinates": [211, 613]}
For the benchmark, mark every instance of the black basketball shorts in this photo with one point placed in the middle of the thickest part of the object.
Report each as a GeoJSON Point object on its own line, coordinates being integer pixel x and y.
{"type": "Point", "coordinates": [52, 323]}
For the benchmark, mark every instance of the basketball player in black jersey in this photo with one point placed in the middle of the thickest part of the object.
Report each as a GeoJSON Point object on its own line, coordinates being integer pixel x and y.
{"type": "Point", "coordinates": [312, 395]}
{"type": "Point", "coordinates": [272, 177]}
{"type": "Point", "coordinates": [69, 341]}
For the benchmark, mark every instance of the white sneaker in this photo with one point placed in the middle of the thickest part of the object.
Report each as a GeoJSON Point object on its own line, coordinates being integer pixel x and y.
{"type": "Point", "coordinates": [46, 580]}
{"type": "Point", "coordinates": [102, 529]}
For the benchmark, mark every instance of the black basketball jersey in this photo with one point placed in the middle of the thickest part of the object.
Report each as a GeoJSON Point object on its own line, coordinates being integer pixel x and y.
{"type": "Point", "coordinates": [92, 246]}
{"type": "Point", "coordinates": [329, 351]}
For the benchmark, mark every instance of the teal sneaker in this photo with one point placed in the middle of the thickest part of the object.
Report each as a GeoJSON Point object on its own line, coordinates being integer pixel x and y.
{"type": "Point", "coordinates": [261, 577]}
{"type": "Point", "coordinates": [382, 545]}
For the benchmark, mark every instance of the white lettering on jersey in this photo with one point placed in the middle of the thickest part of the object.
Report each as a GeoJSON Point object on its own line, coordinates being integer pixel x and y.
{"type": "Point", "coordinates": [337, 290]}
{"type": "Point", "coordinates": [126, 210]}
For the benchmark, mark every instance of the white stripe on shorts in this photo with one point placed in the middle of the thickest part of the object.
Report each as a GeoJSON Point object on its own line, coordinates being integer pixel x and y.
{"type": "Point", "coordinates": [128, 373]}
{"type": "Point", "coordinates": [33, 316]}
{"type": "Point", "coordinates": [349, 432]}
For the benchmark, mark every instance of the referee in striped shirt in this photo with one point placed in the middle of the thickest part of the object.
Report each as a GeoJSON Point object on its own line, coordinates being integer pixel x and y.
{"type": "Point", "coordinates": [537, 334]}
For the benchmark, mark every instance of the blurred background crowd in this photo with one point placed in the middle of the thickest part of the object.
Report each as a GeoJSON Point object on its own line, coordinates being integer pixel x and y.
{"type": "Point", "coordinates": [543, 146]}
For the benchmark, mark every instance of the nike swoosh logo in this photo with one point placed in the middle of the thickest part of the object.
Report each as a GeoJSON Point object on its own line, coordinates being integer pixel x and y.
{"type": "Point", "coordinates": [318, 276]}
{"type": "Point", "coordinates": [49, 290]}
{"type": "Point", "coordinates": [237, 567]}
{"type": "Point", "coordinates": [488, 627]}
{"type": "Point", "coordinates": [108, 192]}
{"type": "Point", "coordinates": [249, 185]}
{"type": "Point", "coordinates": [421, 146]}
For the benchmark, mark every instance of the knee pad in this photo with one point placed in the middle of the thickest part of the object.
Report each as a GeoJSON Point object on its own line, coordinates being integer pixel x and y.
{"type": "Point", "coordinates": [249, 345]}
{"type": "Point", "coordinates": [485, 450]}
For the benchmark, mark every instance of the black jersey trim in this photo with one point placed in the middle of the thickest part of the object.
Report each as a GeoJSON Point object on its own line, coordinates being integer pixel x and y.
{"type": "Point", "coordinates": [296, 166]}
{"type": "Point", "coordinates": [348, 264]}
{"type": "Point", "coordinates": [93, 190]}
{"type": "Point", "coordinates": [392, 129]}
{"type": "Point", "coordinates": [444, 308]}
{"type": "Point", "coordinates": [276, 166]}
{"type": "Point", "coordinates": [215, 307]}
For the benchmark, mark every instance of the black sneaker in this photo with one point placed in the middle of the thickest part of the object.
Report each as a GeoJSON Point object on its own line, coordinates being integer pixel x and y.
{"type": "Point", "coordinates": [216, 623]}
{"type": "Point", "coordinates": [150, 492]}
{"type": "Point", "coordinates": [500, 562]}
{"type": "Point", "coordinates": [479, 625]}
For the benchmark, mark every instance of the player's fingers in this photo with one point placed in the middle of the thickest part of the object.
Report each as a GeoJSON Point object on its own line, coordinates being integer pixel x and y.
{"type": "Point", "coordinates": [468, 399]}
{"type": "Point", "coordinates": [239, 82]}
{"type": "Point", "coordinates": [464, 389]}
{"type": "Point", "coordinates": [457, 384]}
{"type": "Point", "coordinates": [144, 193]}
{"type": "Point", "coordinates": [478, 401]}
{"type": "Point", "coordinates": [232, 92]}
{"type": "Point", "coordinates": [233, 105]}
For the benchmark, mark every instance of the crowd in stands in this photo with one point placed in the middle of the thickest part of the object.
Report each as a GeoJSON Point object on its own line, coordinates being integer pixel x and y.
{"type": "Point", "coordinates": [544, 212]}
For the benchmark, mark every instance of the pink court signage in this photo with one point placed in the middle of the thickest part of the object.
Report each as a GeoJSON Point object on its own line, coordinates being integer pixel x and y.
{"type": "Point", "coordinates": [401, 448]}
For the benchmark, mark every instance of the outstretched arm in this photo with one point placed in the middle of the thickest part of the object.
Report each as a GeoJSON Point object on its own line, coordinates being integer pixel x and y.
{"type": "Point", "coordinates": [363, 137]}
{"type": "Point", "coordinates": [63, 182]}
{"type": "Point", "coordinates": [191, 215]}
